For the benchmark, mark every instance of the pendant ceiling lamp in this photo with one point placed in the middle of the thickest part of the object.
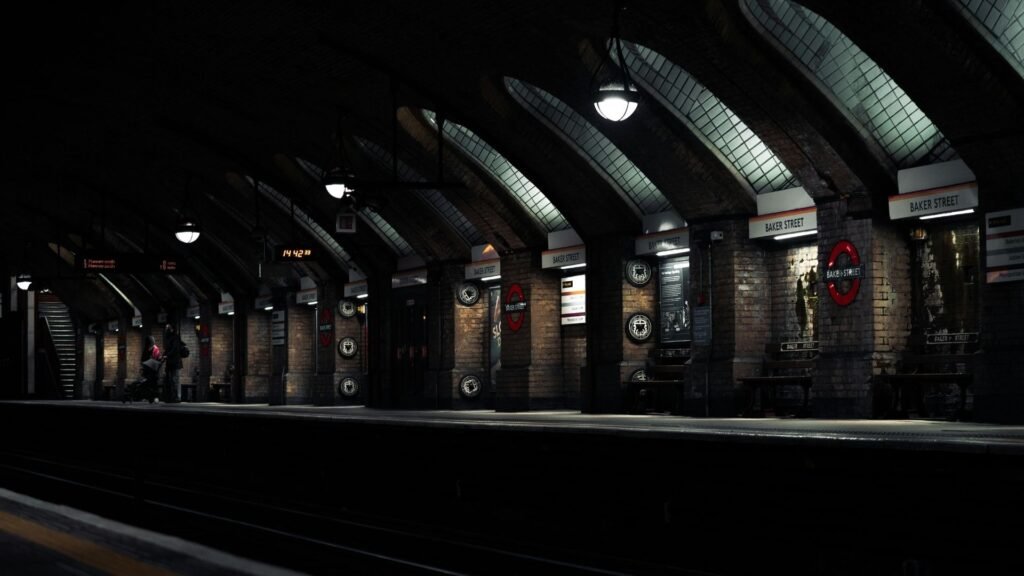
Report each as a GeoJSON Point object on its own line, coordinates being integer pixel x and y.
{"type": "Point", "coordinates": [616, 97]}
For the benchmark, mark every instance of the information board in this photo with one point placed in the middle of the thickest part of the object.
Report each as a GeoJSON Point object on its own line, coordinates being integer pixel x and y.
{"type": "Point", "coordinates": [673, 288]}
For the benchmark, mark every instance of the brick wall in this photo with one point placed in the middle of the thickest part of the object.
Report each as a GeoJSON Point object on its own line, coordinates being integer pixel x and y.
{"type": "Point", "coordinates": [794, 287]}
{"type": "Point", "coordinates": [642, 299]}
{"type": "Point", "coordinates": [222, 344]}
{"type": "Point", "coordinates": [257, 377]}
{"type": "Point", "coordinates": [189, 366]}
{"type": "Point", "coordinates": [134, 340]}
{"type": "Point", "coordinates": [301, 349]}
{"type": "Point", "coordinates": [110, 340]}
{"type": "Point", "coordinates": [471, 325]}
{"type": "Point", "coordinates": [574, 352]}
{"type": "Point", "coordinates": [89, 351]}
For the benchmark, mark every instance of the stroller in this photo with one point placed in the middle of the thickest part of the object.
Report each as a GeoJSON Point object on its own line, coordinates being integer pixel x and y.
{"type": "Point", "coordinates": [146, 386]}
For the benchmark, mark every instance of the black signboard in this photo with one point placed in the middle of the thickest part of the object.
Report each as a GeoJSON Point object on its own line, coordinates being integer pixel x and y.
{"type": "Point", "coordinates": [132, 263]}
{"type": "Point", "coordinates": [954, 338]}
{"type": "Point", "coordinates": [674, 282]}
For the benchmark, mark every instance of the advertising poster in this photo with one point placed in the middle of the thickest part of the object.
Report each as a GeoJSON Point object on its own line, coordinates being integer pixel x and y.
{"type": "Point", "coordinates": [674, 277]}
{"type": "Point", "coordinates": [495, 331]}
{"type": "Point", "coordinates": [574, 300]}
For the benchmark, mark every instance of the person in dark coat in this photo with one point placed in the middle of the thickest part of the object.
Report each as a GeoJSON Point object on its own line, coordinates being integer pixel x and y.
{"type": "Point", "coordinates": [172, 364]}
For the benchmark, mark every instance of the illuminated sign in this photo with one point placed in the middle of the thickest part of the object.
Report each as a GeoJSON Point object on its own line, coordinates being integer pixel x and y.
{"type": "Point", "coordinates": [483, 269]}
{"type": "Point", "coordinates": [935, 201]}
{"type": "Point", "coordinates": [294, 253]}
{"type": "Point", "coordinates": [844, 273]}
{"type": "Point", "coordinates": [132, 263]}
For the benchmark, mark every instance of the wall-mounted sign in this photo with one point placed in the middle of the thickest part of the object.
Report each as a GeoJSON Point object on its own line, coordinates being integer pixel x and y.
{"type": "Point", "coordinates": [408, 278]}
{"type": "Point", "coordinates": [638, 272]}
{"type": "Point", "coordinates": [515, 307]}
{"type": "Point", "coordinates": [574, 300]}
{"type": "Point", "coordinates": [934, 201]}
{"type": "Point", "coordinates": [483, 269]}
{"type": "Point", "coordinates": [192, 312]}
{"type": "Point", "coordinates": [353, 289]}
{"type": "Point", "coordinates": [294, 253]}
{"type": "Point", "coordinates": [673, 297]}
{"type": "Point", "coordinates": [348, 387]}
{"type": "Point", "coordinates": [639, 327]}
{"type": "Point", "coordinates": [470, 386]}
{"type": "Point", "coordinates": [226, 308]}
{"type": "Point", "coordinates": [789, 222]}
{"type": "Point", "coordinates": [136, 321]}
{"type": "Point", "coordinates": [952, 338]}
{"type": "Point", "coordinates": [1004, 246]}
{"type": "Point", "coordinates": [326, 327]}
{"type": "Point", "coordinates": [571, 256]}
{"type": "Point", "coordinates": [306, 296]}
{"type": "Point", "coordinates": [844, 273]}
{"type": "Point", "coordinates": [113, 326]}
{"type": "Point", "coordinates": [702, 325]}
{"type": "Point", "coordinates": [347, 347]}
{"type": "Point", "coordinates": [671, 240]}
{"type": "Point", "coordinates": [468, 293]}
{"type": "Point", "coordinates": [277, 328]}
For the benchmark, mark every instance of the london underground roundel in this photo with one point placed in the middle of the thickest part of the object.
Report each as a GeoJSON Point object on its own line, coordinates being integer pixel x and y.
{"type": "Point", "coordinates": [515, 307]}
{"type": "Point", "coordinates": [844, 273]}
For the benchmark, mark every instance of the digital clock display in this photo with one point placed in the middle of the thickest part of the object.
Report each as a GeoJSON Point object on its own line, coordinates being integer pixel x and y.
{"type": "Point", "coordinates": [294, 253]}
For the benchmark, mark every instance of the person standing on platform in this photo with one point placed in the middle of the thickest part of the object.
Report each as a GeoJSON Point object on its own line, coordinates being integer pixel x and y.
{"type": "Point", "coordinates": [172, 364]}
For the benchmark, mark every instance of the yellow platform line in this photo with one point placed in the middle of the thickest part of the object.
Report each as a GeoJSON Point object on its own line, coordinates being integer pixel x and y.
{"type": "Point", "coordinates": [78, 549]}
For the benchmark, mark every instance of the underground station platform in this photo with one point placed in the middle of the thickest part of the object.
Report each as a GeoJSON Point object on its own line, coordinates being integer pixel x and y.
{"type": "Point", "coordinates": [353, 490]}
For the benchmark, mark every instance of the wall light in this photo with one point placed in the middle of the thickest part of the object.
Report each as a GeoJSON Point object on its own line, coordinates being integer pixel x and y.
{"type": "Point", "coordinates": [957, 213]}
{"type": "Point", "coordinates": [672, 252]}
{"type": "Point", "coordinates": [490, 278]}
{"type": "Point", "coordinates": [571, 266]}
{"type": "Point", "coordinates": [795, 234]}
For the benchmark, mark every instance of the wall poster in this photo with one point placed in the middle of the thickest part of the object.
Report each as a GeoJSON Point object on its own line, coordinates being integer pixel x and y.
{"type": "Point", "coordinates": [495, 332]}
{"type": "Point", "coordinates": [673, 295]}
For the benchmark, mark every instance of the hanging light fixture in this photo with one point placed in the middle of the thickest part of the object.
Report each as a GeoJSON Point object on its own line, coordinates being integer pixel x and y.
{"type": "Point", "coordinates": [339, 183]}
{"type": "Point", "coordinates": [24, 281]}
{"type": "Point", "coordinates": [187, 231]}
{"type": "Point", "coordinates": [616, 98]}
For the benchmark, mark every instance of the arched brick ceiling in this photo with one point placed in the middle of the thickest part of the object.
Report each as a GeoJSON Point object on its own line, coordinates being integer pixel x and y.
{"type": "Point", "coordinates": [131, 97]}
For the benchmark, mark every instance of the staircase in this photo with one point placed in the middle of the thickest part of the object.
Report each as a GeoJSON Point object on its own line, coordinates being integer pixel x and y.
{"type": "Point", "coordinates": [62, 328]}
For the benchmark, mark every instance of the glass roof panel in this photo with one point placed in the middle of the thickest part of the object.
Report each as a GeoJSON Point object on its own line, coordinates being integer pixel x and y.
{"type": "Point", "coordinates": [870, 97]}
{"type": "Point", "coordinates": [531, 198]}
{"type": "Point", "coordinates": [708, 117]}
{"type": "Point", "coordinates": [609, 161]}
{"type": "Point", "coordinates": [1003, 23]}
{"type": "Point", "coordinates": [433, 198]}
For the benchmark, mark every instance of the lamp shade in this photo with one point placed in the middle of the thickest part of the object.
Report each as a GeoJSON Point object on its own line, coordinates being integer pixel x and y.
{"type": "Point", "coordinates": [615, 102]}
{"type": "Point", "coordinates": [24, 281]}
{"type": "Point", "coordinates": [187, 231]}
{"type": "Point", "coordinates": [339, 183]}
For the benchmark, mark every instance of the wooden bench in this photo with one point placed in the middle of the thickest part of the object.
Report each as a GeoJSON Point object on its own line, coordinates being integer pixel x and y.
{"type": "Point", "coordinates": [660, 388]}
{"type": "Point", "coordinates": [919, 371]}
{"type": "Point", "coordinates": [784, 364]}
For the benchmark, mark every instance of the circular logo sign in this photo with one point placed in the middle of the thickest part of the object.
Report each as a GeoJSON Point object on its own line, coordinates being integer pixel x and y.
{"type": "Point", "coordinates": [468, 293]}
{"type": "Point", "coordinates": [638, 272]}
{"type": "Point", "coordinates": [470, 386]}
{"type": "Point", "coordinates": [347, 347]}
{"type": "Point", "coordinates": [639, 327]}
{"type": "Point", "coordinates": [638, 376]}
{"type": "Point", "coordinates": [348, 387]}
{"type": "Point", "coordinates": [515, 307]}
{"type": "Point", "coordinates": [844, 273]}
{"type": "Point", "coordinates": [346, 308]}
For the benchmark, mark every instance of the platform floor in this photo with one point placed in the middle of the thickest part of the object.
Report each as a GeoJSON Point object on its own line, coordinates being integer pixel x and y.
{"type": "Point", "coordinates": [941, 435]}
{"type": "Point", "coordinates": [38, 538]}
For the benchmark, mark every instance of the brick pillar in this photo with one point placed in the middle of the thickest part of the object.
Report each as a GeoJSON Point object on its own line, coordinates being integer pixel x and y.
{"type": "Point", "coordinates": [242, 355]}
{"type": "Point", "coordinates": [124, 325]}
{"type": "Point", "coordinates": [102, 341]}
{"type": "Point", "coordinates": [531, 357]}
{"type": "Point", "coordinates": [302, 348]}
{"type": "Point", "coordinates": [844, 368]}
{"type": "Point", "coordinates": [355, 328]}
{"type": "Point", "coordinates": [276, 386]}
{"type": "Point", "coordinates": [217, 348]}
{"type": "Point", "coordinates": [602, 389]}
{"type": "Point", "coordinates": [730, 276]}
{"type": "Point", "coordinates": [382, 392]}
{"type": "Point", "coordinates": [999, 372]}
{"type": "Point", "coordinates": [323, 393]}
{"type": "Point", "coordinates": [446, 323]}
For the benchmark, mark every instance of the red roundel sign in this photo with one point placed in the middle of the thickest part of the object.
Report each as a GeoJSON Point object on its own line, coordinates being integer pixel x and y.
{"type": "Point", "coordinates": [515, 307]}
{"type": "Point", "coordinates": [844, 273]}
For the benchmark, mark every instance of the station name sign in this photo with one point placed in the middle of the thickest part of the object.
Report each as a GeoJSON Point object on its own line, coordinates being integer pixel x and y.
{"type": "Point", "coordinates": [571, 256]}
{"type": "Point", "coordinates": [788, 222]}
{"type": "Point", "coordinates": [662, 241]}
{"type": "Point", "coordinates": [934, 201]}
{"type": "Point", "coordinates": [483, 269]}
{"type": "Point", "coordinates": [130, 262]}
